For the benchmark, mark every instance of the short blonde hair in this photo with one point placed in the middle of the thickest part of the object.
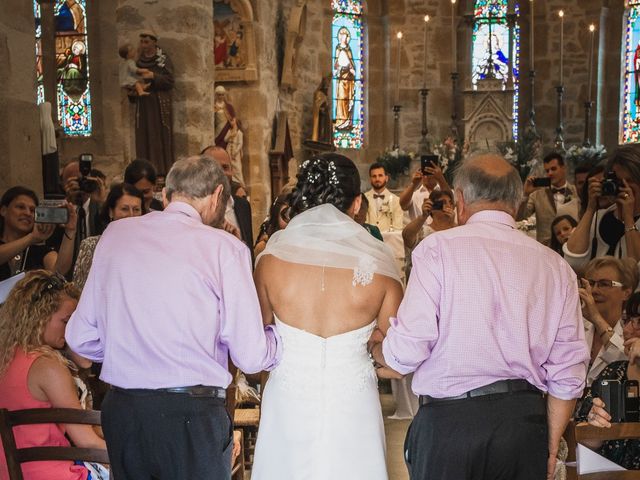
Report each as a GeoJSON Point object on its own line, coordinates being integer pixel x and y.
{"type": "Point", "coordinates": [626, 267]}
{"type": "Point", "coordinates": [27, 310]}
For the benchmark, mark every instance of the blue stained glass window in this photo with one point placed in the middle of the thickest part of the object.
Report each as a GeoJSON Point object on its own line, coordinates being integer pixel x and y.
{"type": "Point", "coordinates": [630, 124]}
{"type": "Point", "coordinates": [37, 15]}
{"type": "Point", "coordinates": [491, 48]}
{"type": "Point", "coordinates": [347, 79]}
{"type": "Point", "coordinates": [72, 55]}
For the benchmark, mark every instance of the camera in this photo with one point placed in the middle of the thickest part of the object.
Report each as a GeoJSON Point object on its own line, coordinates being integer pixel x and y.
{"type": "Point", "coordinates": [437, 205]}
{"type": "Point", "coordinates": [51, 211]}
{"type": "Point", "coordinates": [542, 182]}
{"type": "Point", "coordinates": [428, 161]}
{"type": "Point", "coordinates": [620, 399]}
{"type": "Point", "coordinates": [611, 184]}
{"type": "Point", "coordinates": [86, 164]}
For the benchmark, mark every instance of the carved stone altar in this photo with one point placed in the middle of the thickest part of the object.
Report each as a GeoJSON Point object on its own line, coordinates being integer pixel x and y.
{"type": "Point", "coordinates": [488, 115]}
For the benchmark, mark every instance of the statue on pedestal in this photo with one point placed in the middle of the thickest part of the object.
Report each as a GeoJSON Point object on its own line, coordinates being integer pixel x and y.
{"type": "Point", "coordinates": [228, 131]}
{"type": "Point", "coordinates": [322, 113]}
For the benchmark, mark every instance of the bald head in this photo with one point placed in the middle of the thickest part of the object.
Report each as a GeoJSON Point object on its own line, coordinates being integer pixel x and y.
{"type": "Point", "coordinates": [70, 170]}
{"type": "Point", "coordinates": [223, 159]}
{"type": "Point", "coordinates": [488, 182]}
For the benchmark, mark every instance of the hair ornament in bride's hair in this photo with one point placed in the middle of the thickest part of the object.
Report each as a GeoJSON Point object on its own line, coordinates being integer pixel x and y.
{"type": "Point", "coordinates": [333, 179]}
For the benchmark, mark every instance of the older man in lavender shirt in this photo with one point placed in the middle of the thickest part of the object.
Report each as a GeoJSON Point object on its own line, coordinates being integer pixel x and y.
{"type": "Point", "coordinates": [489, 323]}
{"type": "Point", "coordinates": [167, 301]}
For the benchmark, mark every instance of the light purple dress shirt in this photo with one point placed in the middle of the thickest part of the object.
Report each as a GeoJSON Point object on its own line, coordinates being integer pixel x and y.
{"type": "Point", "coordinates": [167, 300]}
{"type": "Point", "coordinates": [486, 303]}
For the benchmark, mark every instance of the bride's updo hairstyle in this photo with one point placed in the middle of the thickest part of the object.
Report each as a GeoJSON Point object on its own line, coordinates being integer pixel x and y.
{"type": "Point", "coordinates": [326, 178]}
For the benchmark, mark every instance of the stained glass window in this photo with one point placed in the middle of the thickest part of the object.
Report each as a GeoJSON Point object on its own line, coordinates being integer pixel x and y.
{"type": "Point", "coordinates": [631, 89]}
{"type": "Point", "coordinates": [347, 83]}
{"type": "Point", "coordinates": [72, 74]}
{"type": "Point", "coordinates": [39, 71]}
{"type": "Point", "coordinates": [492, 48]}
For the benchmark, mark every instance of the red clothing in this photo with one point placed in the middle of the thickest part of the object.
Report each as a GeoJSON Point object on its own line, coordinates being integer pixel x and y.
{"type": "Point", "coordinates": [15, 395]}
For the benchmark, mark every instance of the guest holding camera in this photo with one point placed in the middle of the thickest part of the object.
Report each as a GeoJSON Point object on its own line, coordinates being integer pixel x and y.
{"type": "Point", "coordinates": [625, 453]}
{"type": "Point", "coordinates": [277, 220]}
{"type": "Point", "coordinates": [424, 181]}
{"type": "Point", "coordinates": [123, 201]}
{"type": "Point", "coordinates": [22, 246]}
{"type": "Point", "coordinates": [610, 222]}
{"type": "Point", "coordinates": [549, 197]}
{"type": "Point", "coordinates": [606, 285]}
{"type": "Point", "coordinates": [440, 207]}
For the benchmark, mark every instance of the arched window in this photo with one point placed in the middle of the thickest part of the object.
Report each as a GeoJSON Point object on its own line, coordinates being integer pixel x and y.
{"type": "Point", "coordinates": [496, 48]}
{"type": "Point", "coordinates": [347, 45]}
{"type": "Point", "coordinates": [72, 67]}
{"type": "Point", "coordinates": [630, 124]}
{"type": "Point", "coordinates": [39, 70]}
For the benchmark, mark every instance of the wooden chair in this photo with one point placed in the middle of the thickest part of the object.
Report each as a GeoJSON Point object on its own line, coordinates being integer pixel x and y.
{"type": "Point", "coordinates": [16, 456]}
{"type": "Point", "coordinates": [584, 433]}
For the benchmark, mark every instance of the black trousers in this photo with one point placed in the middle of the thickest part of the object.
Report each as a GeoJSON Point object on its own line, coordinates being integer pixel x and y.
{"type": "Point", "coordinates": [173, 436]}
{"type": "Point", "coordinates": [493, 437]}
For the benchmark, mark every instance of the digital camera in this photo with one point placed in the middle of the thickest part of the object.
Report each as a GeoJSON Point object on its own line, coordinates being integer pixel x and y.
{"type": "Point", "coordinates": [611, 184]}
{"type": "Point", "coordinates": [86, 165]}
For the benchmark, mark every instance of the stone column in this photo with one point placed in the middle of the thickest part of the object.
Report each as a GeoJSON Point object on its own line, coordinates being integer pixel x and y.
{"type": "Point", "coordinates": [20, 143]}
{"type": "Point", "coordinates": [185, 32]}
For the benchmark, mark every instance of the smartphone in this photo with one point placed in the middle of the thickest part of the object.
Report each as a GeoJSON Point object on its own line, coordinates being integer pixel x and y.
{"type": "Point", "coordinates": [542, 182]}
{"type": "Point", "coordinates": [86, 164]}
{"type": "Point", "coordinates": [612, 394]}
{"type": "Point", "coordinates": [437, 205]}
{"type": "Point", "coordinates": [428, 161]}
{"type": "Point", "coordinates": [51, 214]}
{"type": "Point", "coordinates": [632, 401]}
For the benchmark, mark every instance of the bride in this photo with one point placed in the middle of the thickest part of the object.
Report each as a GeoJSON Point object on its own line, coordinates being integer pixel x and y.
{"type": "Point", "coordinates": [324, 280]}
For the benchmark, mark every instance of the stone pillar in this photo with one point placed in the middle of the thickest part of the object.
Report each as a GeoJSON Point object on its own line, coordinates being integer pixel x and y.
{"type": "Point", "coordinates": [20, 143]}
{"type": "Point", "coordinates": [185, 32]}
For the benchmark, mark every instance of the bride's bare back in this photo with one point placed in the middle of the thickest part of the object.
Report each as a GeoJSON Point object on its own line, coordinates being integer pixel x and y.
{"type": "Point", "coordinates": [323, 300]}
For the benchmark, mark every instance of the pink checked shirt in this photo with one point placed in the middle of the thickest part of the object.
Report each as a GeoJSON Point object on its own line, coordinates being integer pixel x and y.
{"type": "Point", "coordinates": [167, 300]}
{"type": "Point", "coordinates": [486, 303]}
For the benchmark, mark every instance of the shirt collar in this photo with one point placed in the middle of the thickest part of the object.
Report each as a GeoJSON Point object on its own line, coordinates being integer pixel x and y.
{"type": "Point", "coordinates": [184, 208]}
{"type": "Point", "coordinates": [492, 216]}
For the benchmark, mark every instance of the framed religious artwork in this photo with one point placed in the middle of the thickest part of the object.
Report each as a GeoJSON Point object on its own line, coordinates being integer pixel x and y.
{"type": "Point", "coordinates": [234, 44]}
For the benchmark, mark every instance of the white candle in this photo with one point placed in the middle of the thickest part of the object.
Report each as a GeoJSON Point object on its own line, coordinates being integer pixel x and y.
{"type": "Point", "coordinates": [592, 29]}
{"type": "Point", "coordinates": [561, 15]}
{"type": "Point", "coordinates": [531, 37]}
{"type": "Point", "coordinates": [424, 80]}
{"type": "Point", "coordinates": [399, 36]}
{"type": "Point", "coordinates": [454, 38]}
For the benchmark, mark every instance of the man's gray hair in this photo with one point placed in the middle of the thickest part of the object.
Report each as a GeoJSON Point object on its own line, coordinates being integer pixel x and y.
{"type": "Point", "coordinates": [196, 177]}
{"type": "Point", "coordinates": [479, 185]}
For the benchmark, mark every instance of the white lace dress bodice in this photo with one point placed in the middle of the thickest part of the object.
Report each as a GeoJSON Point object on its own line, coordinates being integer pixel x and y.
{"type": "Point", "coordinates": [321, 416]}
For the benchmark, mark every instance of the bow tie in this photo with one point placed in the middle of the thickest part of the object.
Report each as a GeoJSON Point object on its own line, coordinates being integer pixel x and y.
{"type": "Point", "coordinates": [380, 196]}
{"type": "Point", "coordinates": [563, 191]}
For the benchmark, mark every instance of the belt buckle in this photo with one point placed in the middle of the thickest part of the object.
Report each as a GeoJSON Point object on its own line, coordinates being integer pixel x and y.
{"type": "Point", "coordinates": [202, 391]}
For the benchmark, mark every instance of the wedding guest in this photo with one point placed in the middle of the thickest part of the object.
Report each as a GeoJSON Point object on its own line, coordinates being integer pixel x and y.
{"type": "Point", "coordinates": [422, 184]}
{"type": "Point", "coordinates": [34, 374]}
{"type": "Point", "coordinates": [597, 171]}
{"type": "Point", "coordinates": [123, 201]}
{"type": "Point", "coordinates": [547, 203]}
{"type": "Point", "coordinates": [561, 229]}
{"type": "Point", "coordinates": [238, 190]}
{"type": "Point", "coordinates": [606, 285]}
{"type": "Point", "coordinates": [625, 453]}
{"type": "Point", "coordinates": [384, 207]}
{"type": "Point", "coordinates": [440, 208]}
{"type": "Point", "coordinates": [142, 175]}
{"type": "Point", "coordinates": [277, 220]}
{"type": "Point", "coordinates": [361, 216]}
{"type": "Point", "coordinates": [580, 177]}
{"type": "Point", "coordinates": [609, 225]}
{"type": "Point", "coordinates": [168, 376]}
{"type": "Point", "coordinates": [22, 241]}
{"type": "Point", "coordinates": [483, 348]}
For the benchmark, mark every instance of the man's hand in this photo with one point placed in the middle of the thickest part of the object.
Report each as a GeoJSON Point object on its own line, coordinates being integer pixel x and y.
{"type": "Point", "coordinates": [528, 186]}
{"type": "Point", "coordinates": [436, 171]}
{"type": "Point", "coordinates": [427, 205]}
{"type": "Point", "coordinates": [598, 416]}
{"type": "Point", "coordinates": [232, 229]}
{"type": "Point", "coordinates": [416, 180]}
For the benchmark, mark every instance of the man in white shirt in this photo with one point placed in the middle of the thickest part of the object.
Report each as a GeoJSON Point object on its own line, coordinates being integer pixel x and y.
{"type": "Point", "coordinates": [413, 196]}
{"type": "Point", "coordinates": [384, 207]}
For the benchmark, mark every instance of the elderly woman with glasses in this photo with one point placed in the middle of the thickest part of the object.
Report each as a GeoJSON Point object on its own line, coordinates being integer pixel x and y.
{"type": "Point", "coordinates": [34, 373]}
{"type": "Point", "coordinates": [623, 452]}
{"type": "Point", "coordinates": [607, 284]}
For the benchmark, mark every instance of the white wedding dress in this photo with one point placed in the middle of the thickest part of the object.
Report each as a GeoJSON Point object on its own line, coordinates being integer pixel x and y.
{"type": "Point", "coordinates": [321, 416]}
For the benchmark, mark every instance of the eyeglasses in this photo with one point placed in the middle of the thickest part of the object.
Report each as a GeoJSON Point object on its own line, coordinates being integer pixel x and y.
{"type": "Point", "coordinates": [55, 283]}
{"type": "Point", "coordinates": [604, 283]}
{"type": "Point", "coordinates": [634, 320]}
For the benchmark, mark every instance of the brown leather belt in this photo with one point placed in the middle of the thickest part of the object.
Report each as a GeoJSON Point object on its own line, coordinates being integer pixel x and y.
{"type": "Point", "coordinates": [501, 386]}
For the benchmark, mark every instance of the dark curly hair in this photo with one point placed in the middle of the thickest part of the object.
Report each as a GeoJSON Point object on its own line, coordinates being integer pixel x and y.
{"type": "Point", "coordinates": [327, 178]}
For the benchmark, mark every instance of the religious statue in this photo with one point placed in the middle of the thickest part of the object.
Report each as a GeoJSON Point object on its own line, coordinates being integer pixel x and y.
{"type": "Point", "coordinates": [228, 131]}
{"type": "Point", "coordinates": [345, 72]}
{"type": "Point", "coordinates": [154, 130]}
{"type": "Point", "coordinates": [321, 113]}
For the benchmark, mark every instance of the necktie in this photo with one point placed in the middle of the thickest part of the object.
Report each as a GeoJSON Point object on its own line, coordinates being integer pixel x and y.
{"type": "Point", "coordinates": [81, 230]}
{"type": "Point", "coordinates": [380, 196]}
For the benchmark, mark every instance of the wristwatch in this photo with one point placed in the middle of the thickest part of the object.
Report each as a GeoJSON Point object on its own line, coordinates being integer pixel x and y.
{"type": "Point", "coordinates": [630, 229]}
